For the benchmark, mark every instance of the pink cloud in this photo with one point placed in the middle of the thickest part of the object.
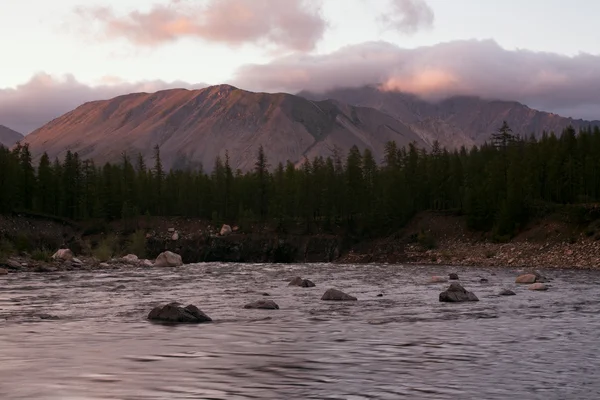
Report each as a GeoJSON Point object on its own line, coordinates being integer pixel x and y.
{"type": "Point", "coordinates": [284, 24]}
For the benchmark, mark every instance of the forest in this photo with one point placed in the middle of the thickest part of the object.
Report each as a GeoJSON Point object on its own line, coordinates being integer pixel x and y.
{"type": "Point", "coordinates": [497, 187]}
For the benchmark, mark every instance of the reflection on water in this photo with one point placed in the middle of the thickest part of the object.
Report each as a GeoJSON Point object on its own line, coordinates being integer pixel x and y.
{"type": "Point", "coordinates": [535, 345]}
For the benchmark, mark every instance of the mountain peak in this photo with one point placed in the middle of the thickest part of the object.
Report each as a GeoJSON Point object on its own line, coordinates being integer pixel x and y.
{"type": "Point", "coordinates": [9, 137]}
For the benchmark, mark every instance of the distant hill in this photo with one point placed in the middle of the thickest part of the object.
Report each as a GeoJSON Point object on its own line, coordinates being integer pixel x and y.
{"type": "Point", "coordinates": [192, 127]}
{"type": "Point", "coordinates": [455, 121]}
{"type": "Point", "coordinates": [8, 137]}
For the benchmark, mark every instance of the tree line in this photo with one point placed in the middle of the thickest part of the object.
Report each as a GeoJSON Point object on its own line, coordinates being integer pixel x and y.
{"type": "Point", "coordinates": [497, 187]}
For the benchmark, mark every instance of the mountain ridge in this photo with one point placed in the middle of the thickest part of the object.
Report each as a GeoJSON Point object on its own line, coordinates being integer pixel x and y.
{"type": "Point", "coordinates": [9, 137]}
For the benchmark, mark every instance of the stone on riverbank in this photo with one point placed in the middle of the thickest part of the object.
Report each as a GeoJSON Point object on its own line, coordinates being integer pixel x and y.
{"type": "Point", "coordinates": [130, 259]}
{"type": "Point", "coordinates": [457, 294]}
{"type": "Point", "coordinates": [225, 230]}
{"type": "Point", "coordinates": [262, 305]}
{"type": "Point", "coordinates": [63, 255]}
{"type": "Point", "coordinates": [168, 259]}
{"type": "Point", "coordinates": [337, 295]}
{"type": "Point", "coordinates": [174, 313]}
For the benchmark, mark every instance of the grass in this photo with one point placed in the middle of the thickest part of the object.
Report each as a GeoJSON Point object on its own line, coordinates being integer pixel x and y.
{"type": "Point", "coordinates": [106, 249]}
{"type": "Point", "coordinates": [136, 244]}
{"type": "Point", "coordinates": [42, 254]}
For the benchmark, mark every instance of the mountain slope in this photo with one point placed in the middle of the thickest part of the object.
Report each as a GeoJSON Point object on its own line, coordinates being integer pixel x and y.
{"type": "Point", "coordinates": [193, 127]}
{"type": "Point", "coordinates": [455, 121]}
{"type": "Point", "coordinates": [8, 137]}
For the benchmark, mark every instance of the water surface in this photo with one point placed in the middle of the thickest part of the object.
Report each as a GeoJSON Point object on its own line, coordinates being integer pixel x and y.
{"type": "Point", "coordinates": [535, 345]}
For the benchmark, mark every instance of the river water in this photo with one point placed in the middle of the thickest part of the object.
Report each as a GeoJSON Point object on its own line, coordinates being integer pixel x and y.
{"type": "Point", "coordinates": [406, 344]}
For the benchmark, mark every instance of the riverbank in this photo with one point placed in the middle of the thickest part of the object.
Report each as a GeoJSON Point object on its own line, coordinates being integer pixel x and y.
{"type": "Point", "coordinates": [29, 242]}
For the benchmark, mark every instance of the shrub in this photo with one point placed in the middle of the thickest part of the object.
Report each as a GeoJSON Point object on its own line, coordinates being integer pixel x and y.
{"type": "Point", "coordinates": [6, 249]}
{"type": "Point", "coordinates": [136, 244]}
{"type": "Point", "coordinates": [106, 249]}
{"type": "Point", "coordinates": [426, 240]}
{"type": "Point", "coordinates": [42, 254]}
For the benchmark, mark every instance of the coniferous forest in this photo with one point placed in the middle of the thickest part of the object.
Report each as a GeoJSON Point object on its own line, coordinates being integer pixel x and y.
{"type": "Point", "coordinates": [497, 187]}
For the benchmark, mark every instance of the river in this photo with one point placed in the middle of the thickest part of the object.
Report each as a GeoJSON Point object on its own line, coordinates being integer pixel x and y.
{"type": "Point", "coordinates": [405, 344]}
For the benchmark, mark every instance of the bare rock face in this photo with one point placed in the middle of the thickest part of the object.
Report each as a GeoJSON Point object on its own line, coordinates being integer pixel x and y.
{"type": "Point", "coordinates": [457, 294]}
{"type": "Point", "coordinates": [538, 286]}
{"type": "Point", "coordinates": [526, 279]}
{"type": "Point", "coordinates": [168, 259]}
{"type": "Point", "coordinates": [262, 305]}
{"type": "Point", "coordinates": [337, 295]}
{"type": "Point", "coordinates": [225, 230]}
{"type": "Point", "coordinates": [298, 281]}
{"type": "Point", "coordinates": [174, 313]}
{"type": "Point", "coordinates": [63, 255]}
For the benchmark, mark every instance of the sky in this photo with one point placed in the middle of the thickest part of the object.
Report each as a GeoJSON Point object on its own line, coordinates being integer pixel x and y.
{"type": "Point", "coordinates": [58, 54]}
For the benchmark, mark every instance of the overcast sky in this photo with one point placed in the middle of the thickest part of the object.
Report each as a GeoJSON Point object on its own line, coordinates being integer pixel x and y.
{"type": "Point", "coordinates": [58, 54]}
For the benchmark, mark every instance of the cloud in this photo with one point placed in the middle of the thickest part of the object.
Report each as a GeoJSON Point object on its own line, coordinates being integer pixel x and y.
{"type": "Point", "coordinates": [284, 24]}
{"type": "Point", "coordinates": [43, 98]}
{"type": "Point", "coordinates": [408, 16]}
{"type": "Point", "coordinates": [548, 81]}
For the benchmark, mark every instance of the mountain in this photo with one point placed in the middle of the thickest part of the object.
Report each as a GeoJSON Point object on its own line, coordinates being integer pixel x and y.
{"type": "Point", "coordinates": [8, 137]}
{"type": "Point", "coordinates": [455, 121]}
{"type": "Point", "coordinates": [192, 127]}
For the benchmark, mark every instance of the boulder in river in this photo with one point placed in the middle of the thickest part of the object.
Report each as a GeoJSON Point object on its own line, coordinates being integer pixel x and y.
{"type": "Point", "coordinates": [457, 294]}
{"type": "Point", "coordinates": [3, 271]}
{"type": "Point", "coordinates": [174, 313]}
{"type": "Point", "coordinates": [506, 292]}
{"type": "Point", "coordinates": [63, 255]}
{"type": "Point", "coordinates": [131, 259]}
{"type": "Point", "coordinates": [168, 259]}
{"type": "Point", "coordinates": [438, 279]}
{"type": "Point", "coordinates": [225, 230]}
{"type": "Point", "coordinates": [297, 281]}
{"type": "Point", "coordinates": [337, 295]}
{"type": "Point", "coordinates": [263, 305]}
{"type": "Point", "coordinates": [526, 278]}
{"type": "Point", "coordinates": [538, 286]}
{"type": "Point", "coordinates": [147, 263]}
{"type": "Point", "coordinates": [453, 276]}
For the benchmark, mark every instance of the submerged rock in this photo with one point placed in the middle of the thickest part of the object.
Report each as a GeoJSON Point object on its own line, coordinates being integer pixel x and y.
{"type": "Point", "coordinates": [483, 280]}
{"type": "Point", "coordinates": [526, 278]}
{"type": "Point", "coordinates": [48, 316]}
{"type": "Point", "coordinates": [168, 259]}
{"type": "Point", "coordinates": [453, 277]}
{"type": "Point", "coordinates": [297, 281]}
{"type": "Point", "coordinates": [263, 305]}
{"type": "Point", "coordinates": [174, 313]}
{"type": "Point", "coordinates": [506, 292]}
{"type": "Point", "coordinates": [538, 286]}
{"type": "Point", "coordinates": [457, 294]}
{"type": "Point", "coordinates": [438, 279]}
{"type": "Point", "coordinates": [337, 295]}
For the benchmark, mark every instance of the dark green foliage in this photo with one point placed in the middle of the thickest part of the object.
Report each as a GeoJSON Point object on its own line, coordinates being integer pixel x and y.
{"type": "Point", "coordinates": [496, 187]}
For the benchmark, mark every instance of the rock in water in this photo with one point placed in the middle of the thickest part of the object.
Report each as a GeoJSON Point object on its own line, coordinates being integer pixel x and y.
{"type": "Point", "coordinates": [453, 277]}
{"type": "Point", "coordinates": [507, 292]}
{"type": "Point", "coordinates": [337, 295]}
{"type": "Point", "coordinates": [538, 286]}
{"type": "Point", "coordinates": [3, 271]}
{"type": "Point", "coordinates": [526, 278]}
{"type": "Point", "coordinates": [63, 255]}
{"type": "Point", "coordinates": [263, 305]}
{"type": "Point", "coordinates": [174, 313]}
{"type": "Point", "coordinates": [457, 294]}
{"type": "Point", "coordinates": [168, 259]}
{"type": "Point", "coordinates": [297, 281]}
{"type": "Point", "coordinates": [225, 230]}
